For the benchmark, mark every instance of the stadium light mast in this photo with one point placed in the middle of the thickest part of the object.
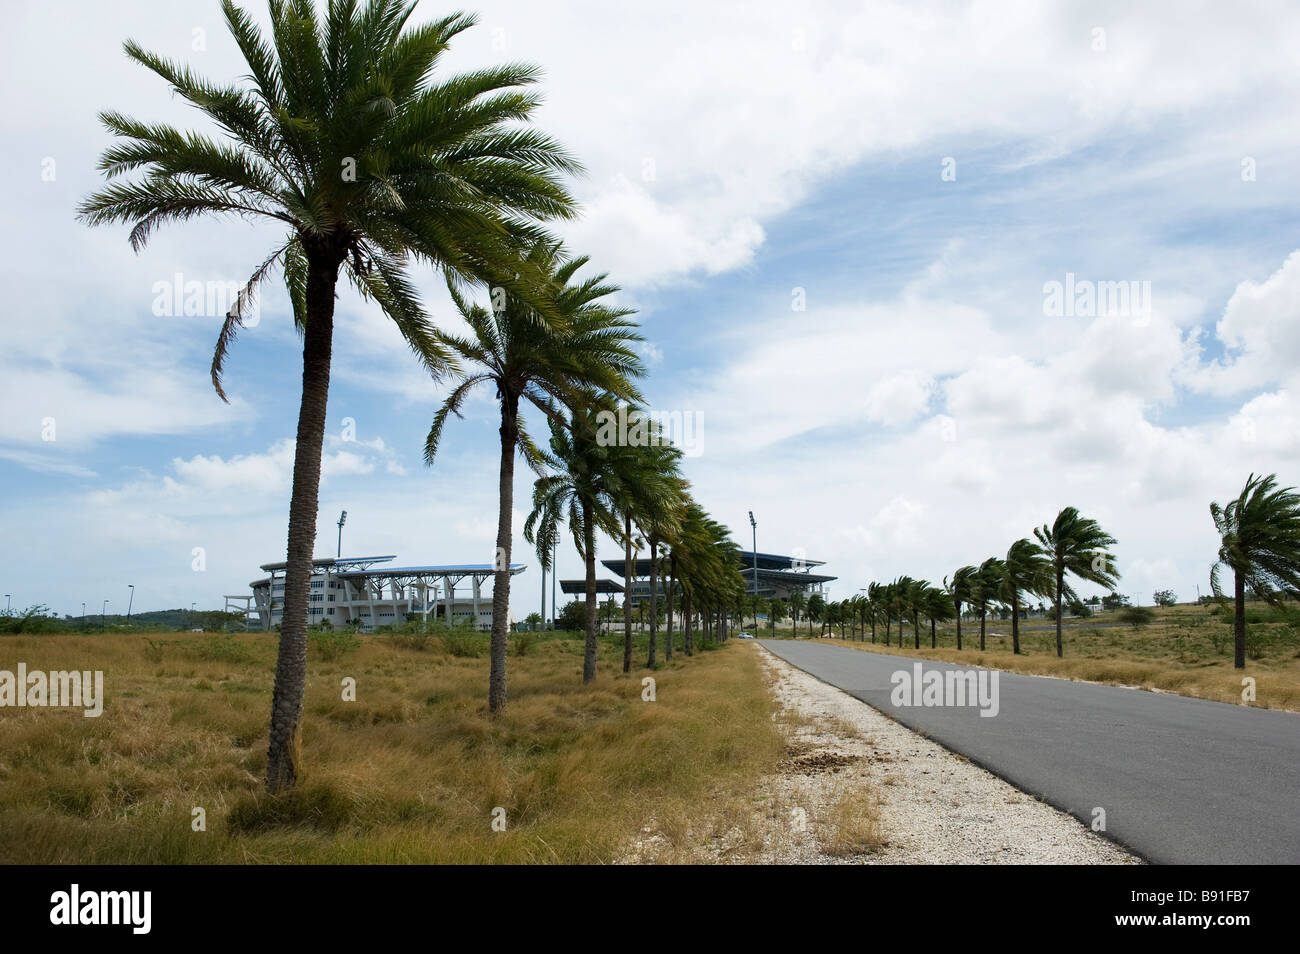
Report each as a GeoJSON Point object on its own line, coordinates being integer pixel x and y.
{"type": "Point", "coordinates": [754, 526]}
{"type": "Point", "coordinates": [343, 518]}
{"type": "Point", "coordinates": [130, 601]}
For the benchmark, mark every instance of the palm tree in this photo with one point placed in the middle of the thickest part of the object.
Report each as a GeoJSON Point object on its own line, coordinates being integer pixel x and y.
{"type": "Point", "coordinates": [1027, 571]}
{"type": "Point", "coordinates": [938, 606]}
{"type": "Point", "coordinates": [652, 496]}
{"type": "Point", "coordinates": [875, 606]}
{"type": "Point", "coordinates": [816, 610]}
{"type": "Point", "coordinates": [965, 581]}
{"type": "Point", "coordinates": [775, 611]}
{"type": "Point", "coordinates": [1259, 535]}
{"type": "Point", "coordinates": [581, 489]}
{"type": "Point", "coordinates": [985, 589]}
{"type": "Point", "coordinates": [1077, 545]}
{"type": "Point", "coordinates": [343, 138]}
{"type": "Point", "coordinates": [797, 603]}
{"type": "Point", "coordinates": [527, 361]}
{"type": "Point", "coordinates": [917, 595]}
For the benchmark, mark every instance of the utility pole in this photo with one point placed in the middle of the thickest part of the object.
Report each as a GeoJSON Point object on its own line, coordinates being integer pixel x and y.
{"type": "Point", "coordinates": [103, 610]}
{"type": "Point", "coordinates": [539, 563]}
{"type": "Point", "coordinates": [130, 602]}
{"type": "Point", "coordinates": [343, 518]}
{"type": "Point", "coordinates": [555, 572]}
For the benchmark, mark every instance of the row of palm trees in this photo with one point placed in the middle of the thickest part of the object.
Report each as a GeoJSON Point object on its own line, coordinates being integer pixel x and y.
{"type": "Point", "coordinates": [1259, 533]}
{"type": "Point", "coordinates": [345, 136]}
{"type": "Point", "coordinates": [1071, 546]}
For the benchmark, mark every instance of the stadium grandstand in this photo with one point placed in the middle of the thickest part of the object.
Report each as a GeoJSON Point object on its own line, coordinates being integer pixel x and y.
{"type": "Point", "coordinates": [368, 593]}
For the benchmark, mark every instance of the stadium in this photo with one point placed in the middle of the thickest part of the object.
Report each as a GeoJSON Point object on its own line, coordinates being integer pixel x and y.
{"type": "Point", "coordinates": [365, 592]}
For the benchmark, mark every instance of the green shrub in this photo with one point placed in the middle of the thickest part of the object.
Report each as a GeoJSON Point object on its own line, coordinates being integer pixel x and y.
{"type": "Point", "coordinates": [331, 644]}
{"type": "Point", "coordinates": [225, 649]}
{"type": "Point", "coordinates": [465, 643]}
{"type": "Point", "coordinates": [1137, 616]}
{"type": "Point", "coordinates": [523, 642]}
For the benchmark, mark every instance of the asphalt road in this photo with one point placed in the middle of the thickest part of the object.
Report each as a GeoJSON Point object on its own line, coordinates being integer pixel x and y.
{"type": "Point", "coordinates": [1182, 781]}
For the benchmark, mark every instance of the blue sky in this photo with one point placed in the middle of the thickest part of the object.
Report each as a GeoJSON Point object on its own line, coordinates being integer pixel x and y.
{"type": "Point", "coordinates": [921, 413]}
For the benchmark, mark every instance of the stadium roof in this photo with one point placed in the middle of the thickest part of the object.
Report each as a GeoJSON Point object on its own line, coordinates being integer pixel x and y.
{"type": "Point", "coordinates": [785, 577]}
{"type": "Point", "coordinates": [348, 562]}
{"type": "Point", "coordinates": [766, 561]}
{"type": "Point", "coordinates": [450, 569]}
{"type": "Point", "coordinates": [579, 587]}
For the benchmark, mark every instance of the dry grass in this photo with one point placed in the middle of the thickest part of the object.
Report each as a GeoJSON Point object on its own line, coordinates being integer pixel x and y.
{"type": "Point", "coordinates": [409, 773]}
{"type": "Point", "coordinates": [1186, 650]}
{"type": "Point", "coordinates": [850, 823]}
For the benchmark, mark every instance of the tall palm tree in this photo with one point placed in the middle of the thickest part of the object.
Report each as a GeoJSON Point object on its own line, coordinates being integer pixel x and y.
{"type": "Point", "coordinates": [579, 490]}
{"type": "Point", "coordinates": [965, 581]}
{"type": "Point", "coordinates": [1259, 533]}
{"type": "Point", "coordinates": [527, 361]}
{"type": "Point", "coordinates": [343, 138]}
{"type": "Point", "coordinates": [797, 603]}
{"type": "Point", "coordinates": [1026, 571]}
{"type": "Point", "coordinates": [1077, 545]}
{"type": "Point", "coordinates": [875, 606]}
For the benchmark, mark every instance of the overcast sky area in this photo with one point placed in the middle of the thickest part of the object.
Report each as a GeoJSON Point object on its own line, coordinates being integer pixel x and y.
{"type": "Point", "coordinates": [837, 223]}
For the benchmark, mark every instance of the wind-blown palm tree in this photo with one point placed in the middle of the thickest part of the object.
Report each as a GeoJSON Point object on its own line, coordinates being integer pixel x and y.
{"type": "Point", "coordinates": [965, 581]}
{"type": "Point", "coordinates": [527, 361]}
{"type": "Point", "coordinates": [1027, 571]}
{"type": "Point", "coordinates": [1259, 535]}
{"type": "Point", "coordinates": [985, 589]}
{"type": "Point", "coordinates": [797, 603]}
{"type": "Point", "coordinates": [1076, 545]}
{"type": "Point", "coordinates": [938, 607]}
{"type": "Point", "coordinates": [342, 137]}
{"type": "Point", "coordinates": [816, 611]}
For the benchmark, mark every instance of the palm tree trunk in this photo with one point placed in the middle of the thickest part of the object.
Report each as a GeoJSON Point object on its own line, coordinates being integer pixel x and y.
{"type": "Point", "coordinates": [589, 547]}
{"type": "Point", "coordinates": [284, 749]}
{"type": "Point", "coordinates": [957, 605]}
{"type": "Point", "coordinates": [1060, 580]}
{"type": "Point", "coordinates": [501, 574]}
{"type": "Point", "coordinates": [627, 594]}
{"type": "Point", "coordinates": [654, 598]}
{"type": "Point", "coordinates": [873, 629]}
{"type": "Point", "coordinates": [1239, 622]}
{"type": "Point", "coordinates": [889, 625]}
{"type": "Point", "coordinates": [686, 624]}
{"type": "Point", "coordinates": [984, 612]}
{"type": "Point", "coordinates": [933, 643]}
{"type": "Point", "coordinates": [668, 627]}
{"type": "Point", "coordinates": [916, 630]}
{"type": "Point", "coordinates": [1015, 622]}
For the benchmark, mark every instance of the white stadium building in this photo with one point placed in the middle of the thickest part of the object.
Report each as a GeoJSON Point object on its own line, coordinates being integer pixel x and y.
{"type": "Point", "coordinates": [366, 590]}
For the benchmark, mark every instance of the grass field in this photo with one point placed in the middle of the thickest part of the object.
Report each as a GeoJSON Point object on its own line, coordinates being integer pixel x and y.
{"type": "Point", "coordinates": [410, 772]}
{"type": "Point", "coordinates": [1186, 649]}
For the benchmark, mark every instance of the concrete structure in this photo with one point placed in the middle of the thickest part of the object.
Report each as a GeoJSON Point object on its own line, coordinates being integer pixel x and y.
{"type": "Point", "coordinates": [363, 589]}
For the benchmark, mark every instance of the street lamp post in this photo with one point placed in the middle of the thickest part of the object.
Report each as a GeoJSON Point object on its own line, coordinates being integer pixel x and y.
{"type": "Point", "coordinates": [103, 610]}
{"type": "Point", "coordinates": [130, 602]}
{"type": "Point", "coordinates": [83, 612]}
{"type": "Point", "coordinates": [6, 604]}
{"type": "Point", "coordinates": [754, 526]}
{"type": "Point", "coordinates": [343, 518]}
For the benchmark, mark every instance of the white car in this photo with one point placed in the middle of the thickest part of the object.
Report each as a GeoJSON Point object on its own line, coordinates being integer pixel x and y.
{"type": "Point", "coordinates": [746, 636]}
